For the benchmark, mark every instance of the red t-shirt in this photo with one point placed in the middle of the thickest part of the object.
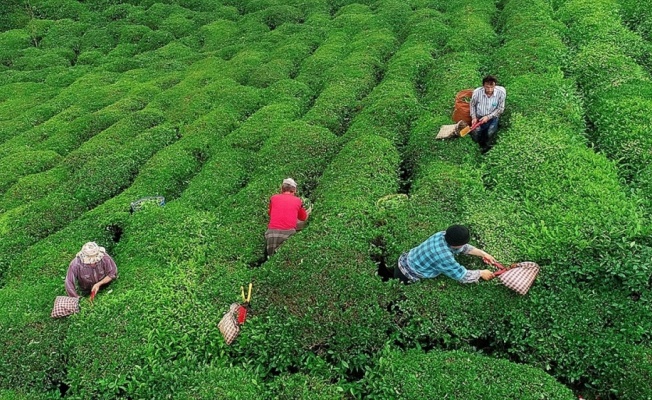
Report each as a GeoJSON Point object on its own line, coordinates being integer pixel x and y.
{"type": "Point", "coordinates": [284, 210]}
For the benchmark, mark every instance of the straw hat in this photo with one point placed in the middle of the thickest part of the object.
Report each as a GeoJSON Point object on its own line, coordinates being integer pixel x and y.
{"type": "Point", "coordinates": [91, 253]}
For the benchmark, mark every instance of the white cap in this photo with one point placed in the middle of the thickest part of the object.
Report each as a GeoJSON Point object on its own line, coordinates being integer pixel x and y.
{"type": "Point", "coordinates": [290, 182]}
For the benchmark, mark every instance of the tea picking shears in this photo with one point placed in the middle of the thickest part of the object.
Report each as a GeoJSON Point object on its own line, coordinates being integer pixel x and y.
{"type": "Point", "coordinates": [242, 311]}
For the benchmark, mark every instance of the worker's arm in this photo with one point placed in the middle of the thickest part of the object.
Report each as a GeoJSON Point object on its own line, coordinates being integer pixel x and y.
{"type": "Point", "coordinates": [101, 283]}
{"type": "Point", "coordinates": [70, 279]}
{"type": "Point", "coordinates": [474, 275]}
{"type": "Point", "coordinates": [472, 105]}
{"type": "Point", "coordinates": [501, 105]}
{"type": "Point", "coordinates": [110, 270]}
{"type": "Point", "coordinates": [481, 253]}
{"type": "Point", "coordinates": [303, 214]}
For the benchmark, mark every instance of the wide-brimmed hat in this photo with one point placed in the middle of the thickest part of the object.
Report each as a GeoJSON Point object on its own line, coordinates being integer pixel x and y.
{"type": "Point", "coordinates": [91, 253]}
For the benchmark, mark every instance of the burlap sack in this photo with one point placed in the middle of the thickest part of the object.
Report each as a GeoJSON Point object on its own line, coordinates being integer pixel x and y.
{"type": "Point", "coordinates": [462, 111]}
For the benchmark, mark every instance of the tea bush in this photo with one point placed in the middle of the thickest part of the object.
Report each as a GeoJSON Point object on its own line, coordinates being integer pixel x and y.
{"type": "Point", "coordinates": [637, 16]}
{"type": "Point", "coordinates": [212, 104]}
{"type": "Point", "coordinates": [20, 164]}
{"type": "Point", "coordinates": [613, 111]}
{"type": "Point", "coordinates": [436, 374]}
{"type": "Point", "coordinates": [301, 386]}
{"type": "Point", "coordinates": [589, 22]}
{"type": "Point", "coordinates": [620, 64]}
{"type": "Point", "coordinates": [389, 111]}
{"type": "Point", "coordinates": [218, 34]}
{"type": "Point", "coordinates": [351, 80]}
{"type": "Point", "coordinates": [12, 43]}
{"type": "Point", "coordinates": [313, 68]}
{"type": "Point", "coordinates": [57, 9]}
{"type": "Point", "coordinates": [257, 128]}
{"type": "Point", "coordinates": [325, 301]}
{"type": "Point", "coordinates": [562, 216]}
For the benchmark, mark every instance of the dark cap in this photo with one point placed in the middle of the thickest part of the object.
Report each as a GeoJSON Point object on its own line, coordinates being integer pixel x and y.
{"type": "Point", "coordinates": [457, 235]}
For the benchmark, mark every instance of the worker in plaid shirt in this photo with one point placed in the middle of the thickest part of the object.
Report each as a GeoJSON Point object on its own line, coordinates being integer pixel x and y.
{"type": "Point", "coordinates": [436, 256]}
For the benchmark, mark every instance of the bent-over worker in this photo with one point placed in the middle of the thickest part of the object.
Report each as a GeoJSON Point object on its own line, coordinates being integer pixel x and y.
{"type": "Point", "coordinates": [286, 216]}
{"type": "Point", "coordinates": [91, 269]}
{"type": "Point", "coordinates": [436, 256]}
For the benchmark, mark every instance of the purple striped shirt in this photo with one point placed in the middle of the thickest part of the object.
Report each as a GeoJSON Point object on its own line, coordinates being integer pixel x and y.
{"type": "Point", "coordinates": [87, 275]}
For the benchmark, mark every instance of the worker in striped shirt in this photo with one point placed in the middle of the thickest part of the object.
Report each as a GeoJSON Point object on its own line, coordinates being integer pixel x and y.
{"type": "Point", "coordinates": [436, 256]}
{"type": "Point", "coordinates": [487, 104]}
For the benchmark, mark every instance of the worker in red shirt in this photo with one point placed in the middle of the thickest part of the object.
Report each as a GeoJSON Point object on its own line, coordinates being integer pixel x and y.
{"type": "Point", "coordinates": [285, 213]}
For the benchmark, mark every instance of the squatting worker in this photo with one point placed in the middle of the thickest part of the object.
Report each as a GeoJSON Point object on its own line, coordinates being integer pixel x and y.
{"type": "Point", "coordinates": [286, 215]}
{"type": "Point", "coordinates": [91, 268]}
{"type": "Point", "coordinates": [487, 104]}
{"type": "Point", "coordinates": [435, 256]}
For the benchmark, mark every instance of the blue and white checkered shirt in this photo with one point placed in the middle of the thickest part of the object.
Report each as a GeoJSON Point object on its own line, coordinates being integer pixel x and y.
{"type": "Point", "coordinates": [434, 257]}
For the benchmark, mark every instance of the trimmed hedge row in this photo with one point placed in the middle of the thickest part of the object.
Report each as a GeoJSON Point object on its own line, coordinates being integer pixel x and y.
{"type": "Point", "coordinates": [22, 96]}
{"type": "Point", "coordinates": [90, 159]}
{"type": "Point", "coordinates": [65, 133]}
{"type": "Point", "coordinates": [137, 266]}
{"type": "Point", "coordinates": [615, 57]}
{"type": "Point", "coordinates": [459, 375]}
{"type": "Point", "coordinates": [20, 164]}
{"type": "Point", "coordinates": [393, 106]}
{"type": "Point", "coordinates": [351, 80]}
{"type": "Point", "coordinates": [88, 93]}
{"type": "Point", "coordinates": [561, 224]}
{"type": "Point", "coordinates": [321, 297]}
{"type": "Point", "coordinates": [637, 16]}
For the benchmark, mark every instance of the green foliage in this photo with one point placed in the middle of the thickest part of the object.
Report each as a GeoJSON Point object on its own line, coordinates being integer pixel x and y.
{"type": "Point", "coordinates": [637, 16]}
{"type": "Point", "coordinates": [599, 66]}
{"type": "Point", "coordinates": [211, 104]}
{"type": "Point", "coordinates": [56, 9]}
{"type": "Point", "coordinates": [218, 34]}
{"type": "Point", "coordinates": [253, 132]}
{"type": "Point", "coordinates": [547, 94]}
{"type": "Point", "coordinates": [597, 21]}
{"type": "Point", "coordinates": [25, 163]}
{"type": "Point", "coordinates": [11, 44]}
{"type": "Point", "coordinates": [620, 136]}
{"type": "Point", "coordinates": [516, 58]}
{"type": "Point", "coordinates": [391, 109]}
{"type": "Point", "coordinates": [436, 374]}
{"type": "Point", "coordinates": [558, 217]}
{"type": "Point", "coordinates": [300, 386]}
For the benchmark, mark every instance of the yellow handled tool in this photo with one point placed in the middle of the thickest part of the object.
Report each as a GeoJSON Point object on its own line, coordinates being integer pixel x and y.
{"type": "Point", "coordinates": [468, 129]}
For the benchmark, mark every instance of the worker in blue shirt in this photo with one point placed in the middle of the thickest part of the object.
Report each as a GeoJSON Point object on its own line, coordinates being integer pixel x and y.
{"type": "Point", "coordinates": [436, 256]}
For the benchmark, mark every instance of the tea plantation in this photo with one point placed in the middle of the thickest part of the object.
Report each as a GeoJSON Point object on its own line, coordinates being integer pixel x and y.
{"type": "Point", "coordinates": [212, 103]}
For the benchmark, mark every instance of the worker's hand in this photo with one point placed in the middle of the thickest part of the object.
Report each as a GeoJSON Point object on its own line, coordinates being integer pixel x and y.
{"type": "Point", "coordinates": [485, 118]}
{"type": "Point", "coordinates": [473, 121]}
{"type": "Point", "coordinates": [95, 288]}
{"type": "Point", "coordinates": [488, 258]}
{"type": "Point", "coordinates": [486, 275]}
{"type": "Point", "coordinates": [309, 210]}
